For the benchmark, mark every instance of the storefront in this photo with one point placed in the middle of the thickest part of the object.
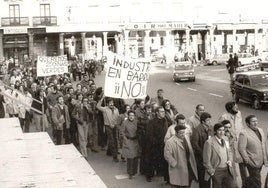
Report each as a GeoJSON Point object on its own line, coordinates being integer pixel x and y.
{"type": "Point", "coordinates": [147, 39]}
{"type": "Point", "coordinates": [15, 44]}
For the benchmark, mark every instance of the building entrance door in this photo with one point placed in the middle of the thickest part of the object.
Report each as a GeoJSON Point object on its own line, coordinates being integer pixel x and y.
{"type": "Point", "coordinates": [17, 54]}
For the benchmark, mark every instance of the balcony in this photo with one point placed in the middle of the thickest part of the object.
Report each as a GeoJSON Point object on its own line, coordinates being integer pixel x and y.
{"type": "Point", "coordinates": [45, 20]}
{"type": "Point", "coordinates": [15, 21]}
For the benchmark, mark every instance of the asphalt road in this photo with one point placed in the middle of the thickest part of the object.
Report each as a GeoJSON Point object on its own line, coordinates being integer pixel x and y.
{"type": "Point", "coordinates": [211, 88]}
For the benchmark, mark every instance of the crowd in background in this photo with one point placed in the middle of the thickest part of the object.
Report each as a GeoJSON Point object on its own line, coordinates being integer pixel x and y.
{"type": "Point", "coordinates": [151, 135]}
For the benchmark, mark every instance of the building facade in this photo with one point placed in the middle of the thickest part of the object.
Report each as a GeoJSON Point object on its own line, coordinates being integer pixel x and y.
{"type": "Point", "coordinates": [90, 28]}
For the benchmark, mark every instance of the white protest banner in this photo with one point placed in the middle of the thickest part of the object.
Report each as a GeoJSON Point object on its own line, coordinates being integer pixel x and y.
{"type": "Point", "coordinates": [52, 65]}
{"type": "Point", "coordinates": [126, 78]}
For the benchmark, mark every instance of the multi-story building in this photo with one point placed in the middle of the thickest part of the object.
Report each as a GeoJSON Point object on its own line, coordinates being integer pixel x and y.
{"type": "Point", "coordinates": [131, 28]}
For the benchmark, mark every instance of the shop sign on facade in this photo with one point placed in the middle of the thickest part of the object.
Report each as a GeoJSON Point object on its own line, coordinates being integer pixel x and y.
{"type": "Point", "coordinates": [15, 30]}
{"type": "Point", "coordinates": [156, 26]}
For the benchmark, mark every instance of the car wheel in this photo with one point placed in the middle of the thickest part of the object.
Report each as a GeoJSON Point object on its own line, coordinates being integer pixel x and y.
{"type": "Point", "coordinates": [194, 79]}
{"type": "Point", "coordinates": [256, 104]}
{"type": "Point", "coordinates": [262, 69]}
{"type": "Point", "coordinates": [236, 98]}
{"type": "Point", "coordinates": [214, 62]}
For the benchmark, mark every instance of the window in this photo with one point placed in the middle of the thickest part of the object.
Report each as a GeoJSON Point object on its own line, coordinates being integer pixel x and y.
{"type": "Point", "coordinates": [45, 10]}
{"type": "Point", "coordinates": [239, 79]}
{"type": "Point", "coordinates": [246, 82]}
{"type": "Point", "coordinates": [14, 13]}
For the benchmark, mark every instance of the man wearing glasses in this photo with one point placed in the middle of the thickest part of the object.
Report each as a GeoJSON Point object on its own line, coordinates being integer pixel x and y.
{"type": "Point", "coordinates": [229, 135]}
{"type": "Point", "coordinates": [155, 135]}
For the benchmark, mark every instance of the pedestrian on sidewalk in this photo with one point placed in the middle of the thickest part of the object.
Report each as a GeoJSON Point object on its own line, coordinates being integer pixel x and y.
{"type": "Point", "coordinates": [231, 67]}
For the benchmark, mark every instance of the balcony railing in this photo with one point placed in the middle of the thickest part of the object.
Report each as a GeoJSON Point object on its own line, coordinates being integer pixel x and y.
{"type": "Point", "coordinates": [44, 20]}
{"type": "Point", "coordinates": [14, 21]}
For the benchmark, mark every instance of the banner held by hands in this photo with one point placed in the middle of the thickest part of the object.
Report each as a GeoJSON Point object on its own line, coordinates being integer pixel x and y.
{"type": "Point", "coordinates": [126, 78]}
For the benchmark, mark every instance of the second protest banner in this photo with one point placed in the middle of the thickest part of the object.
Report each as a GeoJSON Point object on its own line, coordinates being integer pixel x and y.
{"type": "Point", "coordinates": [52, 65]}
{"type": "Point", "coordinates": [126, 78]}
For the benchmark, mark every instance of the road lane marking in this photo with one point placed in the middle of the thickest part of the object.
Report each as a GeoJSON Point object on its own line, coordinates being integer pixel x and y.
{"type": "Point", "coordinates": [213, 94]}
{"type": "Point", "coordinates": [217, 70]}
{"type": "Point", "coordinates": [178, 84]}
{"type": "Point", "coordinates": [191, 89]}
{"type": "Point", "coordinates": [212, 78]}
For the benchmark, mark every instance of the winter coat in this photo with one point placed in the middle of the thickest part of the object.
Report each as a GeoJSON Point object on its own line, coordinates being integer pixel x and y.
{"type": "Point", "coordinates": [130, 140]}
{"type": "Point", "coordinates": [175, 154]}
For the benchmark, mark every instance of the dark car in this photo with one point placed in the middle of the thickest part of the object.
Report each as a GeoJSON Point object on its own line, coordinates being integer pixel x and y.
{"type": "Point", "coordinates": [264, 63]}
{"type": "Point", "coordinates": [251, 87]}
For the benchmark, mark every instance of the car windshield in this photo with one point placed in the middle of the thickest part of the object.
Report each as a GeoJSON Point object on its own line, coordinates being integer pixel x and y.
{"type": "Point", "coordinates": [184, 67]}
{"type": "Point", "coordinates": [260, 80]}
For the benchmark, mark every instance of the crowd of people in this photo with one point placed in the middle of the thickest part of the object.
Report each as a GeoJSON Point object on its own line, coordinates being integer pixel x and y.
{"type": "Point", "coordinates": [150, 135]}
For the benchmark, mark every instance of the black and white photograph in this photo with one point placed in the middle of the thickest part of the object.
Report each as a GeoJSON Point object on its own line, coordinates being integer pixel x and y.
{"type": "Point", "coordinates": [133, 94]}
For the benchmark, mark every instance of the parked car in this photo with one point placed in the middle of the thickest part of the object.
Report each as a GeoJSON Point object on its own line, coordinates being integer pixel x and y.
{"type": "Point", "coordinates": [183, 71]}
{"type": "Point", "coordinates": [247, 58]}
{"type": "Point", "coordinates": [217, 59]}
{"type": "Point", "coordinates": [252, 87]}
{"type": "Point", "coordinates": [264, 63]}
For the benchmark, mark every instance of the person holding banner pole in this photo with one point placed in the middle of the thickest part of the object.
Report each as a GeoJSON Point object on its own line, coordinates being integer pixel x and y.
{"type": "Point", "coordinates": [39, 103]}
{"type": "Point", "coordinates": [111, 116]}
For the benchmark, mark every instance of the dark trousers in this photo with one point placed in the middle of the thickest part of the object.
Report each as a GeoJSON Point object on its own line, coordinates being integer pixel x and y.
{"type": "Point", "coordinates": [25, 122]}
{"type": "Point", "coordinates": [58, 135]}
{"type": "Point", "coordinates": [223, 179]}
{"type": "Point", "coordinates": [66, 135]}
{"type": "Point", "coordinates": [201, 176]}
{"type": "Point", "coordinates": [13, 115]}
{"type": "Point", "coordinates": [102, 136]}
{"type": "Point", "coordinates": [112, 140]}
{"type": "Point", "coordinates": [178, 186]}
{"type": "Point", "coordinates": [254, 179]}
{"type": "Point", "coordinates": [74, 75]}
{"type": "Point", "coordinates": [148, 167]}
{"type": "Point", "coordinates": [165, 171]}
{"type": "Point", "coordinates": [142, 161]}
{"type": "Point", "coordinates": [74, 134]}
{"type": "Point", "coordinates": [132, 166]}
{"type": "Point", "coordinates": [243, 172]}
